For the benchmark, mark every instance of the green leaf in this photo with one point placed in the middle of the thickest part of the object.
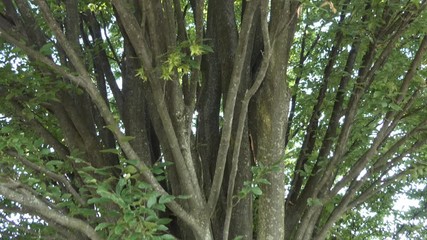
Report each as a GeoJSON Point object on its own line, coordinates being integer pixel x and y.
{"type": "Point", "coordinates": [31, 181]}
{"type": "Point", "coordinates": [38, 142]}
{"type": "Point", "coordinates": [127, 138]}
{"type": "Point", "coordinates": [144, 185]}
{"type": "Point", "coordinates": [92, 7]}
{"type": "Point", "coordinates": [133, 162]}
{"type": "Point", "coordinates": [120, 185]}
{"type": "Point", "coordinates": [85, 212]}
{"type": "Point", "coordinates": [256, 191]}
{"type": "Point", "coordinates": [102, 226]}
{"type": "Point", "coordinates": [52, 165]}
{"type": "Point", "coordinates": [160, 207]}
{"type": "Point", "coordinates": [119, 229]}
{"type": "Point", "coordinates": [113, 197]}
{"type": "Point", "coordinates": [136, 236]}
{"type": "Point", "coordinates": [263, 181]}
{"type": "Point", "coordinates": [207, 49]}
{"type": "Point", "coordinates": [183, 197]}
{"type": "Point", "coordinates": [151, 200]}
{"type": "Point", "coordinates": [164, 221]}
{"type": "Point", "coordinates": [151, 218]}
{"type": "Point", "coordinates": [166, 199]}
{"type": "Point", "coordinates": [163, 164]}
{"type": "Point", "coordinates": [160, 178]}
{"type": "Point", "coordinates": [47, 49]}
{"type": "Point", "coordinates": [45, 151]}
{"type": "Point", "coordinates": [168, 237]}
{"type": "Point", "coordinates": [157, 170]}
{"type": "Point", "coordinates": [162, 228]}
{"type": "Point", "coordinates": [110, 150]}
{"type": "Point", "coordinates": [141, 74]}
{"type": "Point", "coordinates": [130, 169]}
{"type": "Point", "coordinates": [196, 50]}
{"type": "Point", "coordinates": [395, 107]}
{"type": "Point", "coordinates": [314, 202]}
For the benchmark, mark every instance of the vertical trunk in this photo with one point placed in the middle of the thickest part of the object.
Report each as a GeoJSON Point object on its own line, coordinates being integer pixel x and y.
{"type": "Point", "coordinates": [223, 31]}
{"type": "Point", "coordinates": [271, 107]}
{"type": "Point", "coordinates": [270, 130]}
{"type": "Point", "coordinates": [134, 112]}
{"type": "Point", "coordinates": [241, 223]}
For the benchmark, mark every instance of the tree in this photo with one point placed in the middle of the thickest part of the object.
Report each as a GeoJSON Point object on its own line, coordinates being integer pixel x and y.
{"type": "Point", "coordinates": [214, 119]}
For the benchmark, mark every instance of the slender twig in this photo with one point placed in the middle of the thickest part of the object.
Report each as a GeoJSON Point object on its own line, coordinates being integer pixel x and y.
{"type": "Point", "coordinates": [50, 174]}
{"type": "Point", "coordinates": [107, 38]}
{"type": "Point", "coordinates": [60, 36]}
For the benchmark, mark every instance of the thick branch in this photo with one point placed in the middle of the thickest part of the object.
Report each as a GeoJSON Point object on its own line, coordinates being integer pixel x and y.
{"type": "Point", "coordinates": [230, 104]}
{"type": "Point", "coordinates": [87, 85]}
{"type": "Point", "coordinates": [135, 34]}
{"type": "Point", "coordinates": [184, 166]}
{"type": "Point", "coordinates": [24, 197]}
{"type": "Point", "coordinates": [243, 114]}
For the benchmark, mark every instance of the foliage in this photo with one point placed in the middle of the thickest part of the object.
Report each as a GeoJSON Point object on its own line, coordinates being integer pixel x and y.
{"type": "Point", "coordinates": [184, 119]}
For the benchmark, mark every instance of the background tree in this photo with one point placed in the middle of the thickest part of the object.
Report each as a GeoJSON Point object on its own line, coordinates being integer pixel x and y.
{"type": "Point", "coordinates": [211, 119]}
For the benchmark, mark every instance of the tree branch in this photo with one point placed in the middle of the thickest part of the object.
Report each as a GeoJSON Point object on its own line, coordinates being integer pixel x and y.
{"type": "Point", "coordinates": [184, 166]}
{"type": "Point", "coordinates": [38, 127]}
{"type": "Point", "coordinates": [348, 202]}
{"type": "Point", "coordinates": [24, 197]}
{"type": "Point", "coordinates": [105, 68]}
{"type": "Point", "coordinates": [387, 125]}
{"type": "Point", "coordinates": [412, 70]}
{"type": "Point", "coordinates": [230, 104]}
{"type": "Point", "coordinates": [310, 136]}
{"type": "Point", "coordinates": [135, 34]}
{"type": "Point", "coordinates": [65, 44]}
{"type": "Point", "coordinates": [52, 175]}
{"type": "Point", "coordinates": [364, 80]}
{"type": "Point", "coordinates": [260, 76]}
{"type": "Point", "coordinates": [108, 117]}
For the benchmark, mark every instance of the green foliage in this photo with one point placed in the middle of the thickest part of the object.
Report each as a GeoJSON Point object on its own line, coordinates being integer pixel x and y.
{"type": "Point", "coordinates": [133, 203]}
{"type": "Point", "coordinates": [180, 61]}
{"type": "Point", "coordinates": [259, 178]}
{"type": "Point", "coordinates": [314, 202]}
{"type": "Point", "coordinates": [97, 6]}
{"type": "Point", "coordinates": [140, 73]}
{"type": "Point", "coordinates": [41, 112]}
{"type": "Point", "coordinates": [138, 208]}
